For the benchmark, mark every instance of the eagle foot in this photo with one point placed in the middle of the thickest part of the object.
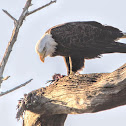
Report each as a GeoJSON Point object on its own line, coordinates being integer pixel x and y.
{"type": "Point", "coordinates": [74, 73]}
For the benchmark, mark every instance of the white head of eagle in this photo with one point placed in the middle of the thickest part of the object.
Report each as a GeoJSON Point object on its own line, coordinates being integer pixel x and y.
{"type": "Point", "coordinates": [45, 46]}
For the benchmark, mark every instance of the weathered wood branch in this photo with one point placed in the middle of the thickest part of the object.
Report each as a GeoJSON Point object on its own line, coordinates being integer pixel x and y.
{"type": "Point", "coordinates": [13, 39]}
{"type": "Point", "coordinates": [15, 88]}
{"type": "Point", "coordinates": [18, 23]}
{"type": "Point", "coordinates": [78, 94]}
{"type": "Point", "coordinates": [10, 15]}
{"type": "Point", "coordinates": [40, 8]}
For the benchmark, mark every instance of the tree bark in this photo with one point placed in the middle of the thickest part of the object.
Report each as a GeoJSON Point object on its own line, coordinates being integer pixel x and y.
{"type": "Point", "coordinates": [77, 94]}
{"type": "Point", "coordinates": [33, 119]}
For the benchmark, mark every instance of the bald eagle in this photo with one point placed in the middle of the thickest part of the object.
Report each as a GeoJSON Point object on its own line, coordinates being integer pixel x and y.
{"type": "Point", "coordinates": [77, 41]}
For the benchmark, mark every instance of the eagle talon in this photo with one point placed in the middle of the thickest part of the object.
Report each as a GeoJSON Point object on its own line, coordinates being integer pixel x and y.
{"type": "Point", "coordinates": [72, 73]}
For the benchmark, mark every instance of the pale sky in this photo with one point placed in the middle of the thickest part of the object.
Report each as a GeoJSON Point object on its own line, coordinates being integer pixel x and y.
{"type": "Point", "coordinates": [24, 63]}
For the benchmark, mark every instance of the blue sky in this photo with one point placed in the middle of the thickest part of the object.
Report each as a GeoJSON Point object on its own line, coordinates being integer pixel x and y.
{"type": "Point", "coordinates": [24, 63]}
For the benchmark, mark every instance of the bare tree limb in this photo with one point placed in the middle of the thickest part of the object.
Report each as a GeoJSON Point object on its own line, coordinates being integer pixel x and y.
{"type": "Point", "coordinates": [10, 15]}
{"type": "Point", "coordinates": [18, 23]}
{"type": "Point", "coordinates": [17, 87]}
{"type": "Point", "coordinates": [78, 94]}
{"type": "Point", "coordinates": [5, 78]}
{"type": "Point", "coordinates": [13, 37]}
{"type": "Point", "coordinates": [48, 4]}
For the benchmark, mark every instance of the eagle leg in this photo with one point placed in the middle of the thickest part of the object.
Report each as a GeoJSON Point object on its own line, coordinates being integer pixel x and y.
{"type": "Point", "coordinates": [71, 67]}
{"type": "Point", "coordinates": [66, 59]}
{"type": "Point", "coordinates": [76, 64]}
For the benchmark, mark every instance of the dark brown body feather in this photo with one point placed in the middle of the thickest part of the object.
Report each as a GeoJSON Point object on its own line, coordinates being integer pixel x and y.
{"type": "Point", "coordinates": [85, 40]}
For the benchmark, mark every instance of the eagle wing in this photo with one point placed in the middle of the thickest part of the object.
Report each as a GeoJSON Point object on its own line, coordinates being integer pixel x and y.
{"type": "Point", "coordinates": [84, 35]}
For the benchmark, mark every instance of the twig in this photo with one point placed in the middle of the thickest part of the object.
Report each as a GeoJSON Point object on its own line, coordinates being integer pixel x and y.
{"type": "Point", "coordinates": [24, 84]}
{"type": "Point", "coordinates": [9, 15]}
{"type": "Point", "coordinates": [31, 12]}
{"type": "Point", "coordinates": [5, 78]}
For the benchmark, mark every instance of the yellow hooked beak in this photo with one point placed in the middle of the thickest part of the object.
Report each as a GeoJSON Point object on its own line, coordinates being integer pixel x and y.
{"type": "Point", "coordinates": [42, 58]}
{"type": "Point", "coordinates": [42, 55]}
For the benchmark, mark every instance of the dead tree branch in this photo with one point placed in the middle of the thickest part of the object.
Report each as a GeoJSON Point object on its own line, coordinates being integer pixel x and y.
{"type": "Point", "coordinates": [18, 23]}
{"type": "Point", "coordinates": [48, 4]}
{"type": "Point", "coordinates": [10, 15]}
{"type": "Point", "coordinates": [15, 88]}
{"type": "Point", "coordinates": [86, 93]}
